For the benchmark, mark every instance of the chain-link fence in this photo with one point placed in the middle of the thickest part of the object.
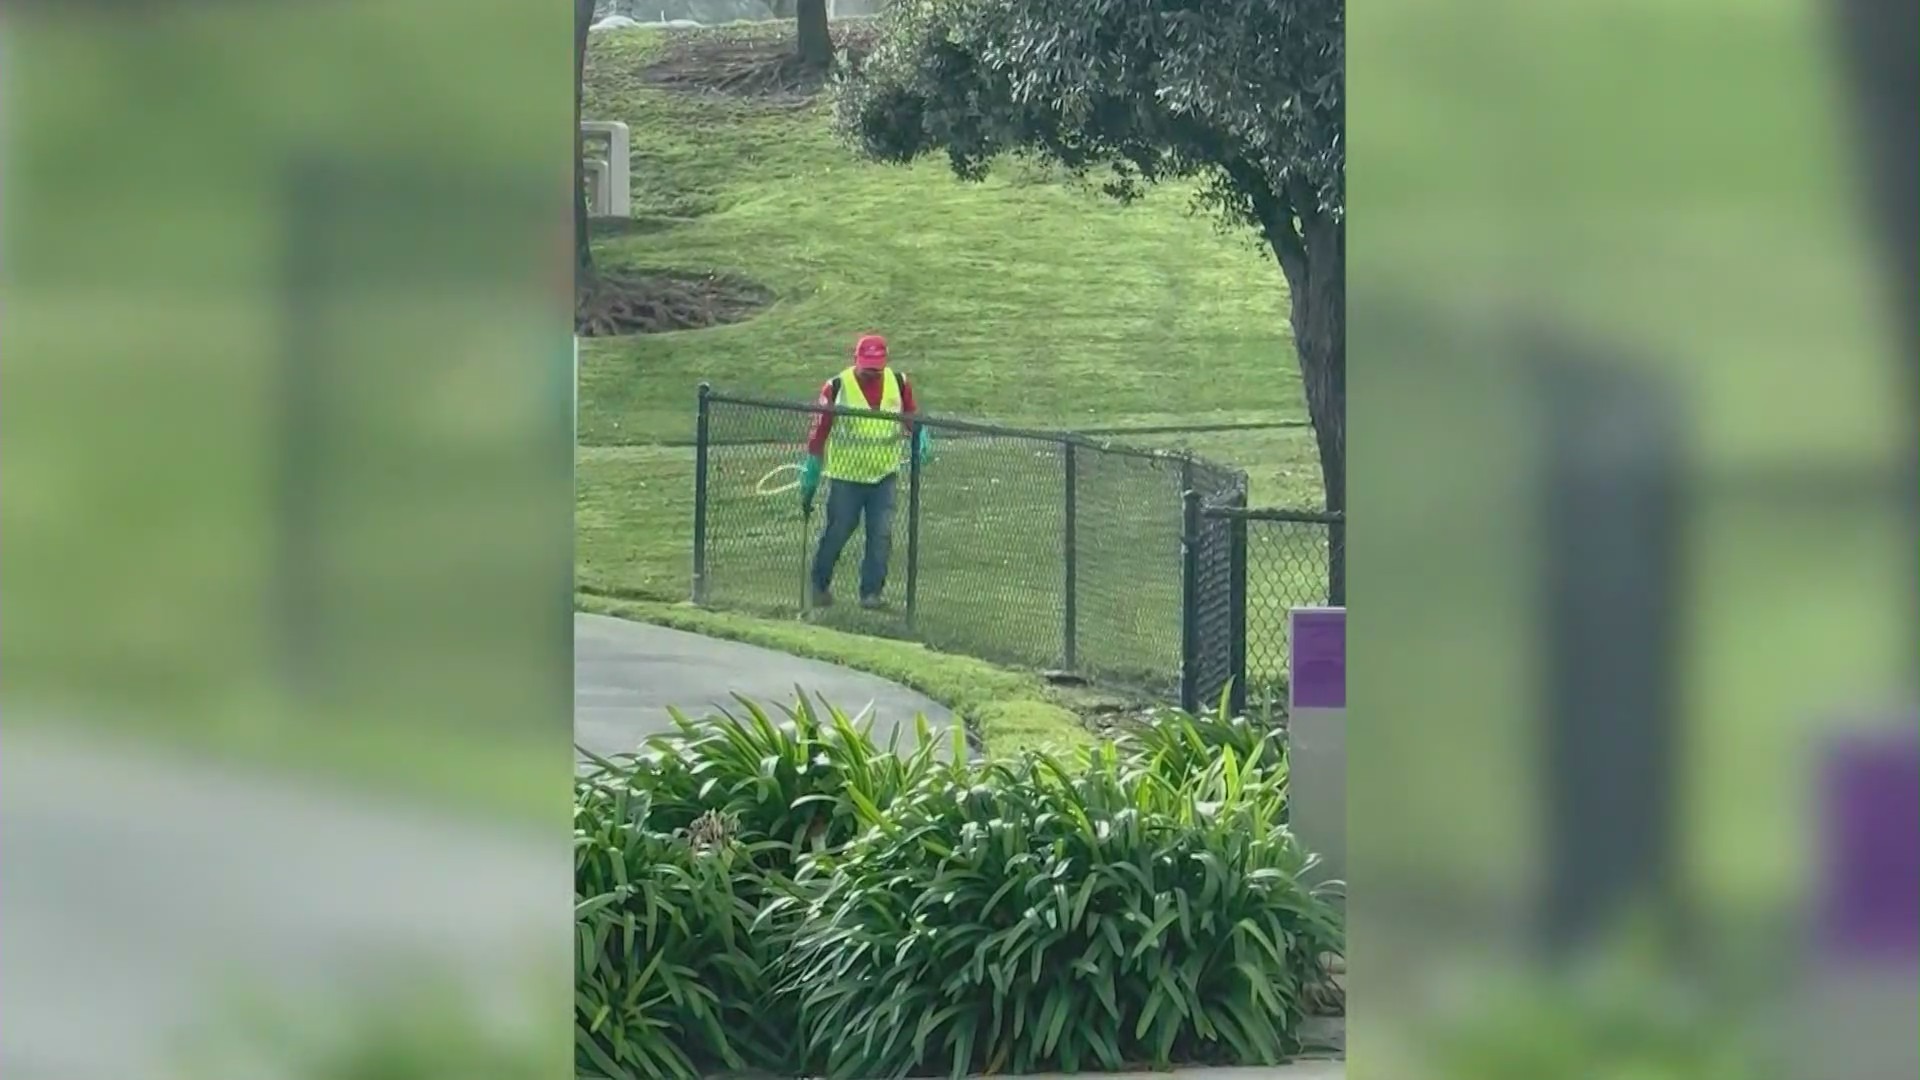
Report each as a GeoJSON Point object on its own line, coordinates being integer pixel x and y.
{"type": "Point", "coordinates": [1276, 560]}
{"type": "Point", "coordinates": [1041, 549]}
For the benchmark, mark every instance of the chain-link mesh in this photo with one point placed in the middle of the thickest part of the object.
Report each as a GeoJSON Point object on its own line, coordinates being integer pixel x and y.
{"type": "Point", "coordinates": [1127, 525]}
{"type": "Point", "coordinates": [755, 545]}
{"type": "Point", "coordinates": [991, 569]}
{"type": "Point", "coordinates": [1213, 622]}
{"type": "Point", "coordinates": [1283, 559]}
{"type": "Point", "coordinates": [1031, 548]}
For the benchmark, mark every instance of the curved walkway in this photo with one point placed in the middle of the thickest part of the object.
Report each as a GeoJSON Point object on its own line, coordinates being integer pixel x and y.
{"type": "Point", "coordinates": [627, 674]}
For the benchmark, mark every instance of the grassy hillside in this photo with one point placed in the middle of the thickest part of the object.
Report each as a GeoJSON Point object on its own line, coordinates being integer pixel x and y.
{"type": "Point", "coordinates": [1026, 299]}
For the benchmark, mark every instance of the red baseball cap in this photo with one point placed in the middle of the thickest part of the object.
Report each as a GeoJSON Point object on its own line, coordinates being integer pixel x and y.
{"type": "Point", "coordinates": [870, 354]}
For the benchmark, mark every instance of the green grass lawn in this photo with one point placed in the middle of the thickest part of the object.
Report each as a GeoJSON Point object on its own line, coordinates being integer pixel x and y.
{"type": "Point", "coordinates": [1025, 299]}
{"type": "Point", "coordinates": [1029, 299]}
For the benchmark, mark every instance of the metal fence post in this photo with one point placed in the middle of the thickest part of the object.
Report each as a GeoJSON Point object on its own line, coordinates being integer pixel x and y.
{"type": "Point", "coordinates": [1189, 593]}
{"type": "Point", "coordinates": [913, 519]}
{"type": "Point", "coordinates": [1611, 520]}
{"type": "Point", "coordinates": [1337, 561]}
{"type": "Point", "coordinates": [1237, 611]}
{"type": "Point", "coordinates": [1070, 631]}
{"type": "Point", "coordinates": [701, 431]}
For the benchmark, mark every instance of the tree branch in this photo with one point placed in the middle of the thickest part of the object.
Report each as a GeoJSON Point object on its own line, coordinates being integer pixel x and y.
{"type": "Point", "coordinates": [1274, 212]}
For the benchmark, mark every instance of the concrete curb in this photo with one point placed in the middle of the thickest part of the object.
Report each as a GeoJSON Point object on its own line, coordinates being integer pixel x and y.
{"type": "Point", "coordinates": [1306, 1067]}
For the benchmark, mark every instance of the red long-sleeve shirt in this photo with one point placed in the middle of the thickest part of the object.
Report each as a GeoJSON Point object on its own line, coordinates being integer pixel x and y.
{"type": "Point", "coordinates": [870, 388]}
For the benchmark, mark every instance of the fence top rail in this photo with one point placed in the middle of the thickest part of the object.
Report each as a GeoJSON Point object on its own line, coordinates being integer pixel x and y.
{"type": "Point", "coordinates": [1098, 434]}
{"type": "Point", "coordinates": [942, 423]}
{"type": "Point", "coordinates": [1275, 513]}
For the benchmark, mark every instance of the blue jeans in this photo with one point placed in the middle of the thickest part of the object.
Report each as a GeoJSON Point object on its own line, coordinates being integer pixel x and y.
{"type": "Point", "coordinates": [847, 503]}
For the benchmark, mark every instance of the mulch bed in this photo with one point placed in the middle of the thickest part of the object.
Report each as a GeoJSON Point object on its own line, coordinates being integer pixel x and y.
{"type": "Point", "coordinates": [755, 65]}
{"type": "Point", "coordinates": [623, 301]}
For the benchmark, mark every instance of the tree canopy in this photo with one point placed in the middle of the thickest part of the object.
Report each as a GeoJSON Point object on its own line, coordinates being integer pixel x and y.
{"type": "Point", "coordinates": [1245, 96]}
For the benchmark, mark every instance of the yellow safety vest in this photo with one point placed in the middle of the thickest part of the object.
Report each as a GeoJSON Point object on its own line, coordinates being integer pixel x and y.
{"type": "Point", "coordinates": [865, 449]}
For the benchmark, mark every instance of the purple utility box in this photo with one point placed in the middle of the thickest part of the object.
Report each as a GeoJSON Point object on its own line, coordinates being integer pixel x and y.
{"type": "Point", "coordinates": [1869, 899]}
{"type": "Point", "coordinates": [1317, 735]}
{"type": "Point", "coordinates": [1318, 671]}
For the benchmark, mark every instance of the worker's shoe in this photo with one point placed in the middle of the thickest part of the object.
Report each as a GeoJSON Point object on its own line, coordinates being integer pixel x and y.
{"type": "Point", "coordinates": [873, 603]}
{"type": "Point", "coordinates": [822, 598]}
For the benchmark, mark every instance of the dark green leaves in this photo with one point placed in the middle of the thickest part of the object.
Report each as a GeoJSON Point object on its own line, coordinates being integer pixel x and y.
{"type": "Point", "coordinates": [1091, 915]}
{"type": "Point", "coordinates": [685, 856]}
{"type": "Point", "coordinates": [654, 996]}
{"type": "Point", "coordinates": [784, 895]}
{"type": "Point", "coordinates": [1249, 93]}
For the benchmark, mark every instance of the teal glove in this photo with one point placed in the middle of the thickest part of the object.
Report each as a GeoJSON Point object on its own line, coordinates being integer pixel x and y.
{"type": "Point", "coordinates": [809, 482]}
{"type": "Point", "coordinates": [923, 445]}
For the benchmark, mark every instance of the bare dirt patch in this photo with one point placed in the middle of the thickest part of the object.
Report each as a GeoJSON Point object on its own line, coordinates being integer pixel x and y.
{"type": "Point", "coordinates": [759, 66]}
{"type": "Point", "coordinates": [630, 301]}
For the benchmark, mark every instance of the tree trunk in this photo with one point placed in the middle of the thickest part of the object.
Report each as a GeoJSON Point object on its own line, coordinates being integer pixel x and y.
{"type": "Point", "coordinates": [1881, 74]}
{"type": "Point", "coordinates": [582, 250]}
{"type": "Point", "coordinates": [1314, 260]}
{"type": "Point", "coordinates": [815, 37]}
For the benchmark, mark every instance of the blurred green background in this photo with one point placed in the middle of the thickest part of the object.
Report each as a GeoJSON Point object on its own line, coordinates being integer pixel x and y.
{"type": "Point", "coordinates": [290, 383]}
{"type": "Point", "coordinates": [1673, 187]}
{"type": "Point", "coordinates": [287, 461]}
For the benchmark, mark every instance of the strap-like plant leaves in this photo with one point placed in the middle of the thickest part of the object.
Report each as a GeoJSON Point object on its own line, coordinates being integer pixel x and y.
{"type": "Point", "coordinates": [776, 891]}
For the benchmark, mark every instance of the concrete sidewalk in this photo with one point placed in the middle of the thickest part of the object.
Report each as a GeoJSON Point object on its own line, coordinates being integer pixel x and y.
{"type": "Point", "coordinates": [148, 891]}
{"type": "Point", "coordinates": [627, 674]}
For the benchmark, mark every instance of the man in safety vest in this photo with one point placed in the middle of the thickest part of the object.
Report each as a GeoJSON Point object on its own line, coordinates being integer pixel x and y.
{"type": "Point", "coordinates": [862, 455]}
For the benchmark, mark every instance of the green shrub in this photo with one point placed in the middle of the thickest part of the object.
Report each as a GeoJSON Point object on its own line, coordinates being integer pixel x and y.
{"type": "Point", "coordinates": [1180, 744]}
{"type": "Point", "coordinates": [1031, 916]}
{"type": "Point", "coordinates": [409, 1024]}
{"type": "Point", "coordinates": [779, 893]}
{"type": "Point", "coordinates": [799, 782]}
{"type": "Point", "coordinates": [676, 850]}
{"type": "Point", "coordinates": [668, 975]}
{"type": "Point", "coordinates": [1619, 1008]}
